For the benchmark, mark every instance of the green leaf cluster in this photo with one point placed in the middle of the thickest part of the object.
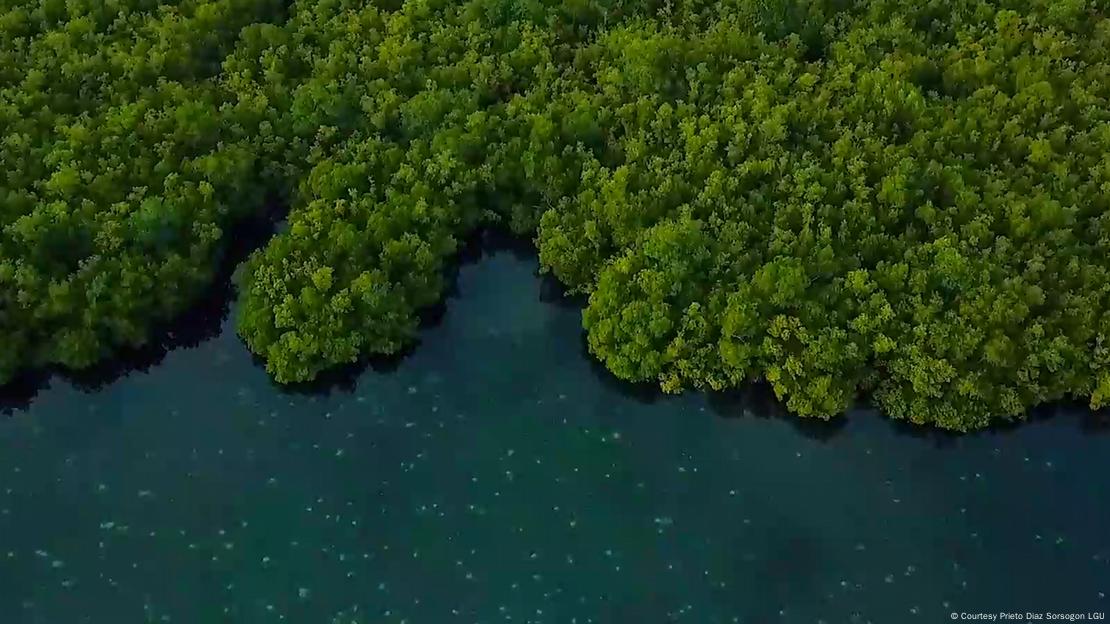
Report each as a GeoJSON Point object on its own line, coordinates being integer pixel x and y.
{"type": "Point", "coordinates": [909, 201]}
{"type": "Point", "coordinates": [841, 197]}
{"type": "Point", "coordinates": [122, 164]}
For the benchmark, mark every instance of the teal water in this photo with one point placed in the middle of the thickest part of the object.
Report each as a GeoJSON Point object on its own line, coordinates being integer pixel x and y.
{"type": "Point", "coordinates": [497, 474]}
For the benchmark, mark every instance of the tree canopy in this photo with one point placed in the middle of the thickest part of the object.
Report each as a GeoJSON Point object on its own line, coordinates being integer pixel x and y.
{"type": "Point", "coordinates": [844, 198]}
{"type": "Point", "coordinates": [122, 163]}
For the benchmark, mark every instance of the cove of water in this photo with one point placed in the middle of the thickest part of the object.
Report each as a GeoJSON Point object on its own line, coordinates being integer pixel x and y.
{"type": "Point", "coordinates": [498, 474]}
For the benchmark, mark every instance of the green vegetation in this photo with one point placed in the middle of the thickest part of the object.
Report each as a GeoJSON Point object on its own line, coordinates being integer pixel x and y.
{"type": "Point", "coordinates": [841, 197]}
{"type": "Point", "coordinates": [121, 165]}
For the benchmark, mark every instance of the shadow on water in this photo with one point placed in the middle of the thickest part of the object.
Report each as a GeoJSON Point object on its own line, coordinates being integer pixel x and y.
{"type": "Point", "coordinates": [938, 438]}
{"type": "Point", "coordinates": [1087, 421]}
{"type": "Point", "coordinates": [18, 393]}
{"type": "Point", "coordinates": [757, 400]}
{"type": "Point", "coordinates": [554, 293]}
{"type": "Point", "coordinates": [201, 321]}
{"type": "Point", "coordinates": [473, 249]}
{"type": "Point", "coordinates": [753, 400]}
{"type": "Point", "coordinates": [342, 379]}
{"type": "Point", "coordinates": [643, 392]}
{"type": "Point", "coordinates": [1095, 423]}
{"type": "Point", "coordinates": [1090, 422]}
{"type": "Point", "coordinates": [481, 244]}
{"type": "Point", "coordinates": [205, 320]}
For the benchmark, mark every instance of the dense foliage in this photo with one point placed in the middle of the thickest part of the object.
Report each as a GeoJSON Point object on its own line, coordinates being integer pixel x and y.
{"type": "Point", "coordinates": [913, 202]}
{"type": "Point", "coordinates": [909, 200]}
{"type": "Point", "coordinates": [121, 165]}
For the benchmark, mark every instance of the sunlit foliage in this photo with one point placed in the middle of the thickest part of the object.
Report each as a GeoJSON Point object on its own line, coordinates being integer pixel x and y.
{"type": "Point", "coordinates": [121, 166]}
{"type": "Point", "coordinates": [842, 197]}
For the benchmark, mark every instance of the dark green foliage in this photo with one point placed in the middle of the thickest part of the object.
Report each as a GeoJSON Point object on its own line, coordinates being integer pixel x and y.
{"type": "Point", "coordinates": [910, 200]}
{"type": "Point", "coordinates": [121, 165]}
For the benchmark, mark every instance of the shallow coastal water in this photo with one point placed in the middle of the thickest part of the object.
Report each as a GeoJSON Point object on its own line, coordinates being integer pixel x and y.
{"type": "Point", "coordinates": [497, 474]}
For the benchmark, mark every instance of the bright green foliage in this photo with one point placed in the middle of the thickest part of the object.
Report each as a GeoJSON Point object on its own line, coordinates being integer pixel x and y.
{"type": "Point", "coordinates": [917, 207]}
{"type": "Point", "coordinates": [120, 167]}
{"type": "Point", "coordinates": [907, 200]}
{"type": "Point", "coordinates": [388, 135]}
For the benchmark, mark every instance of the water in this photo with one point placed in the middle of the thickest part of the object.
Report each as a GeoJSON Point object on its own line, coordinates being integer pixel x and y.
{"type": "Point", "coordinates": [496, 474]}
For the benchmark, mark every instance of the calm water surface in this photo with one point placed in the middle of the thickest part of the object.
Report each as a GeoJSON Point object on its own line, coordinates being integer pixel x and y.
{"type": "Point", "coordinates": [497, 475]}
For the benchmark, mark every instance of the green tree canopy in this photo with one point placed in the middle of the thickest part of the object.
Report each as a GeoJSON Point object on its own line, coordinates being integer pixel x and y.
{"type": "Point", "coordinates": [909, 201]}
